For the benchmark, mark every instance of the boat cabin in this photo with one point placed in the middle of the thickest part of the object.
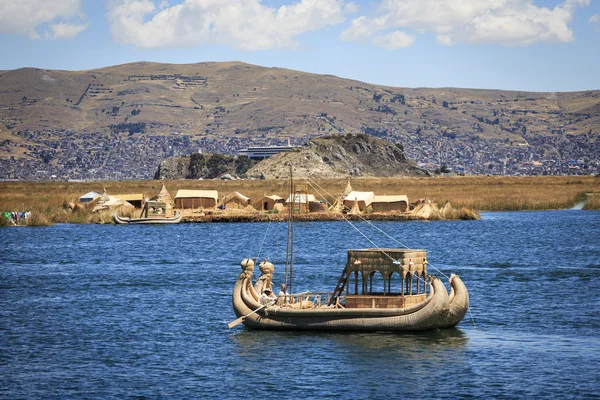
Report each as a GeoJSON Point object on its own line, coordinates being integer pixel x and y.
{"type": "Point", "coordinates": [384, 278]}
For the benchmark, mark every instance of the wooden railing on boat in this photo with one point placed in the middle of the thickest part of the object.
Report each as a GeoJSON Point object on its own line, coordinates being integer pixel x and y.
{"type": "Point", "coordinates": [332, 299]}
{"type": "Point", "coordinates": [318, 299]}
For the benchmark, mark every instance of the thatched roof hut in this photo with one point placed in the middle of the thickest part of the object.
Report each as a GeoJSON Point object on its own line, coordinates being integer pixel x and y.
{"type": "Point", "coordinates": [163, 197]}
{"type": "Point", "coordinates": [348, 189]}
{"type": "Point", "coordinates": [236, 198]}
{"type": "Point", "coordinates": [390, 203]}
{"type": "Point", "coordinates": [362, 199]}
{"type": "Point", "coordinates": [106, 202]}
{"type": "Point", "coordinates": [135, 199]}
{"type": "Point", "coordinates": [191, 199]}
{"type": "Point", "coordinates": [267, 203]}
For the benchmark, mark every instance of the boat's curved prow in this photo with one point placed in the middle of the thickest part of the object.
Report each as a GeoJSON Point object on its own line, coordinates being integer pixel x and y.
{"type": "Point", "coordinates": [120, 220]}
{"type": "Point", "coordinates": [459, 302]}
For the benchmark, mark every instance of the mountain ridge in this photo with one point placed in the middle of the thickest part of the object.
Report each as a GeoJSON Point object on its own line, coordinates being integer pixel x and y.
{"type": "Point", "coordinates": [91, 123]}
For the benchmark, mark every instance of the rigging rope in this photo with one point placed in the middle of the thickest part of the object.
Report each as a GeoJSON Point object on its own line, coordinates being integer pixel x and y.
{"type": "Point", "coordinates": [264, 237]}
{"type": "Point", "coordinates": [310, 181]}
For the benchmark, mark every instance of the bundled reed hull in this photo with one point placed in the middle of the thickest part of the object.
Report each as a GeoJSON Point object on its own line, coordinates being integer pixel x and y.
{"type": "Point", "coordinates": [124, 220]}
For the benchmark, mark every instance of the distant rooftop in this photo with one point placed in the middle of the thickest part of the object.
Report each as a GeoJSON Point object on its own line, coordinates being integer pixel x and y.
{"type": "Point", "coordinates": [261, 152]}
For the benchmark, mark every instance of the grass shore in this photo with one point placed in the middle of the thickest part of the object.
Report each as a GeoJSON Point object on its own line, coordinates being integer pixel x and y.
{"type": "Point", "coordinates": [479, 193]}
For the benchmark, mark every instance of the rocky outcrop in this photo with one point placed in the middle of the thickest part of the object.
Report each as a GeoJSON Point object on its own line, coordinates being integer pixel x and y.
{"type": "Point", "coordinates": [204, 166]}
{"type": "Point", "coordinates": [173, 168]}
{"type": "Point", "coordinates": [341, 156]}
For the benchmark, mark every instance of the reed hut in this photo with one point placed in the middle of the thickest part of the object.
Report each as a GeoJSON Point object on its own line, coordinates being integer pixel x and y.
{"type": "Point", "coordinates": [268, 203]}
{"type": "Point", "coordinates": [162, 200]}
{"type": "Point", "coordinates": [236, 199]}
{"type": "Point", "coordinates": [362, 199]}
{"type": "Point", "coordinates": [106, 202]}
{"type": "Point", "coordinates": [163, 196]}
{"type": "Point", "coordinates": [348, 189]}
{"type": "Point", "coordinates": [390, 203]}
{"type": "Point", "coordinates": [192, 199]}
{"type": "Point", "coordinates": [135, 199]}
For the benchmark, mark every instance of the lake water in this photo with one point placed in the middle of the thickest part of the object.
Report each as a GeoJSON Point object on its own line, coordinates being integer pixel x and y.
{"type": "Point", "coordinates": [96, 311]}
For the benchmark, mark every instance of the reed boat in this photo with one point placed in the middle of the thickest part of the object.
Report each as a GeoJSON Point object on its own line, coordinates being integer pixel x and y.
{"type": "Point", "coordinates": [353, 305]}
{"type": "Point", "coordinates": [410, 298]}
{"type": "Point", "coordinates": [147, 220]}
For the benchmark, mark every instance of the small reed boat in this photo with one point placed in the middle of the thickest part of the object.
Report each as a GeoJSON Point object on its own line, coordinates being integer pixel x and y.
{"type": "Point", "coordinates": [147, 220]}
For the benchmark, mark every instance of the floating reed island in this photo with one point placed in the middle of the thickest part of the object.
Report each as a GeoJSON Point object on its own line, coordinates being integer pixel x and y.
{"type": "Point", "coordinates": [64, 202]}
{"type": "Point", "coordinates": [425, 210]}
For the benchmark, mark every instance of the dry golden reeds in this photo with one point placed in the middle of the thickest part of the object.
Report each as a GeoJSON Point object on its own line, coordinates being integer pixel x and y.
{"type": "Point", "coordinates": [37, 219]}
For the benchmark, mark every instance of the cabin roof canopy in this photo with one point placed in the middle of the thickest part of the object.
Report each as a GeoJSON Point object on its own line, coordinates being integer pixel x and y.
{"type": "Point", "coordinates": [390, 198]}
{"type": "Point", "coordinates": [207, 194]}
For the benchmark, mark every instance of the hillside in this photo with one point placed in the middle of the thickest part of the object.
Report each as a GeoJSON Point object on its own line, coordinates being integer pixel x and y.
{"type": "Point", "coordinates": [341, 156]}
{"type": "Point", "coordinates": [121, 121]}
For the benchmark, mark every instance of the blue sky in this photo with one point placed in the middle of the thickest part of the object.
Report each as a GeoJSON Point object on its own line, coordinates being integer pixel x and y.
{"type": "Point", "coordinates": [539, 45]}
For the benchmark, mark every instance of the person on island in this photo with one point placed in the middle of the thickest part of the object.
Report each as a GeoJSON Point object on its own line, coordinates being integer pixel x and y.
{"type": "Point", "coordinates": [281, 297]}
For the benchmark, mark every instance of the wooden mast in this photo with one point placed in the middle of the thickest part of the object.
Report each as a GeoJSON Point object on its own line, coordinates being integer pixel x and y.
{"type": "Point", "coordinates": [289, 237]}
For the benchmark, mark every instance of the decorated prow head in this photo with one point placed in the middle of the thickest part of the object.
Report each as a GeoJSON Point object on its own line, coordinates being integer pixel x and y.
{"type": "Point", "coordinates": [248, 264]}
{"type": "Point", "coordinates": [266, 268]}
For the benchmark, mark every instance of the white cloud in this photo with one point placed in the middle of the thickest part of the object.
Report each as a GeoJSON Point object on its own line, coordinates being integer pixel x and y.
{"type": "Point", "coordinates": [394, 41]}
{"type": "Point", "coordinates": [507, 22]}
{"type": "Point", "coordinates": [24, 16]}
{"type": "Point", "coordinates": [64, 31]}
{"type": "Point", "coordinates": [243, 24]}
{"type": "Point", "coordinates": [595, 20]}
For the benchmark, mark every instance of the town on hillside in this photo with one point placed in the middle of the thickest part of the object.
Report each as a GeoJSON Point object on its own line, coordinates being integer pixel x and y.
{"type": "Point", "coordinates": [73, 155]}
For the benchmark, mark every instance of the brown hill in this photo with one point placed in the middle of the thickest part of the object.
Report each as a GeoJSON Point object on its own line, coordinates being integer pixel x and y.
{"type": "Point", "coordinates": [240, 100]}
{"type": "Point", "coordinates": [221, 107]}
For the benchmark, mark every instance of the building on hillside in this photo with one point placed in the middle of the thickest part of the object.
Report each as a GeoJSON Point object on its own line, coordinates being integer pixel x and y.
{"type": "Point", "coordinates": [89, 197]}
{"type": "Point", "coordinates": [268, 203]}
{"type": "Point", "coordinates": [262, 152]}
{"type": "Point", "coordinates": [390, 203]}
{"type": "Point", "coordinates": [236, 199]}
{"type": "Point", "coordinates": [135, 199]}
{"type": "Point", "coordinates": [192, 199]}
{"type": "Point", "coordinates": [362, 199]}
